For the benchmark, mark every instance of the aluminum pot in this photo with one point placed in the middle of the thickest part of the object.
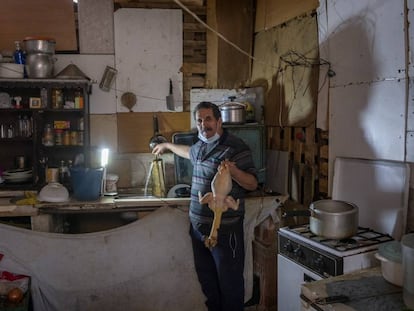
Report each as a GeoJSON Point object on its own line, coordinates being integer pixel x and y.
{"type": "Point", "coordinates": [332, 219]}
{"type": "Point", "coordinates": [233, 113]}
{"type": "Point", "coordinates": [39, 65]}
{"type": "Point", "coordinates": [39, 45]}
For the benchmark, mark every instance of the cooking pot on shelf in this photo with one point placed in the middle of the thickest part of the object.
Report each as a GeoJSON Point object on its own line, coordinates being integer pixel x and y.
{"type": "Point", "coordinates": [233, 112]}
{"type": "Point", "coordinates": [39, 65]}
{"type": "Point", "coordinates": [332, 219]}
{"type": "Point", "coordinates": [39, 45]}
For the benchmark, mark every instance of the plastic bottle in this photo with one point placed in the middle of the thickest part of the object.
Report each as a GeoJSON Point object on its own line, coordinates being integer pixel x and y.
{"type": "Point", "coordinates": [78, 99]}
{"type": "Point", "coordinates": [19, 56]}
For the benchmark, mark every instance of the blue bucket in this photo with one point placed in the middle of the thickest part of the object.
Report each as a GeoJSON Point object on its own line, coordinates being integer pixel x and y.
{"type": "Point", "coordinates": [86, 183]}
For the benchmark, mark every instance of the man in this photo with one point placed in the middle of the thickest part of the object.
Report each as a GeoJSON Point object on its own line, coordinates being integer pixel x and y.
{"type": "Point", "coordinates": [219, 270]}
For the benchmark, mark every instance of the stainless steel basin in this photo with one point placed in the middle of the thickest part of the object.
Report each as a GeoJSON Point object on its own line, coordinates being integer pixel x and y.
{"type": "Point", "coordinates": [125, 196]}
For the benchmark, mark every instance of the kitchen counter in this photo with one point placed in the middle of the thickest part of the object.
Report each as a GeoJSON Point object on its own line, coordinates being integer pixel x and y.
{"type": "Point", "coordinates": [42, 212]}
{"type": "Point", "coordinates": [361, 290]}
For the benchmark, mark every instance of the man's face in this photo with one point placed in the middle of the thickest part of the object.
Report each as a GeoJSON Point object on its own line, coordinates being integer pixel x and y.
{"type": "Point", "coordinates": [207, 124]}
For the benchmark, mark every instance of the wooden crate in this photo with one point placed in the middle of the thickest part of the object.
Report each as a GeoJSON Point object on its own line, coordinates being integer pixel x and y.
{"type": "Point", "coordinates": [308, 171]}
{"type": "Point", "coordinates": [265, 267]}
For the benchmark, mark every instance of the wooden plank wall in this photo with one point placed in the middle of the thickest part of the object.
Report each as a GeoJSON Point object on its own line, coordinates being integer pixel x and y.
{"type": "Point", "coordinates": [308, 149]}
{"type": "Point", "coordinates": [194, 54]}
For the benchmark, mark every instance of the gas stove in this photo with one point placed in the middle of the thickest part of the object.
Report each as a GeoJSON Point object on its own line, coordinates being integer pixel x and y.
{"type": "Point", "coordinates": [328, 257]}
{"type": "Point", "coordinates": [364, 240]}
{"type": "Point", "coordinates": [305, 257]}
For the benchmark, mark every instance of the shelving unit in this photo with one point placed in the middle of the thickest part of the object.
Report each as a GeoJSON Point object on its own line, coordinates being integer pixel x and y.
{"type": "Point", "coordinates": [16, 140]}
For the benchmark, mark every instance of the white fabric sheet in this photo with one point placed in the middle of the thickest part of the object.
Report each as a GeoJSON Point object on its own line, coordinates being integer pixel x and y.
{"type": "Point", "coordinates": [146, 265]}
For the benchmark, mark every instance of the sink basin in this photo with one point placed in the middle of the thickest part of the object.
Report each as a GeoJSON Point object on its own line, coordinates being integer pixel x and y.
{"type": "Point", "coordinates": [125, 196]}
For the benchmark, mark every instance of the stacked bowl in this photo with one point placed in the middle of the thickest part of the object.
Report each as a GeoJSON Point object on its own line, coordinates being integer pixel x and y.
{"type": "Point", "coordinates": [40, 59]}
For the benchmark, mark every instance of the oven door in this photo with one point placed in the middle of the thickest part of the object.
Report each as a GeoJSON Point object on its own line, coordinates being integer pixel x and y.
{"type": "Point", "coordinates": [290, 277]}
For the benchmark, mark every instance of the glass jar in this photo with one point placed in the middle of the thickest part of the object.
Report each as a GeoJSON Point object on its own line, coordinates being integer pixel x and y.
{"type": "Point", "coordinates": [48, 137]}
{"type": "Point", "coordinates": [66, 138]}
{"type": "Point", "coordinates": [73, 138]}
{"type": "Point", "coordinates": [58, 137]}
{"type": "Point", "coordinates": [78, 99]}
{"type": "Point", "coordinates": [57, 98]}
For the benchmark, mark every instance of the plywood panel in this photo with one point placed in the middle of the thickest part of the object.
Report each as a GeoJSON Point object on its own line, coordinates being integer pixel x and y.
{"type": "Point", "coordinates": [48, 18]}
{"type": "Point", "coordinates": [270, 13]}
{"type": "Point", "coordinates": [136, 129]}
{"type": "Point", "coordinates": [103, 131]}
{"type": "Point", "coordinates": [96, 26]}
{"type": "Point", "coordinates": [148, 52]}
{"type": "Point", "coordinates": [365, 40]}
{"type": "Point", "coordinates": [292, 95]}
{"type": "Point", "coordinates": [235, 22]}
{"type": "Point", "coordinates": [368, 121]}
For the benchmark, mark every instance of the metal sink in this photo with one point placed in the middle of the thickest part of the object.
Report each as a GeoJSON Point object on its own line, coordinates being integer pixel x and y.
{"type": "Point", "coordinates": [131, 196]}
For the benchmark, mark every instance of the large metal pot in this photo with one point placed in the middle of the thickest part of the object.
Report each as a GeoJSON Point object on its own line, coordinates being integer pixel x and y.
{"type": "Point", "coordinates": [39, 45]}
{"type": "Point", "coordinates": [233, 113]}
{"type": "Point", "coordinates": [39, 65]}
{"type": "Point", "coordinates": [332, 219]}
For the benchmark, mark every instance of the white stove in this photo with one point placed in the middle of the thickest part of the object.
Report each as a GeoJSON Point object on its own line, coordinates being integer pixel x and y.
{"type": "Point", "coordinates": [380, 190]}
{"type": "Point", "coordinates": [305, 257]}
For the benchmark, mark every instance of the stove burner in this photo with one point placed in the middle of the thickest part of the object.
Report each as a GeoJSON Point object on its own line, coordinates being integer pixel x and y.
{"type": "Point", "coordinates": [363, 238]}
{"type": "Point", "coordinates": [347, 241]}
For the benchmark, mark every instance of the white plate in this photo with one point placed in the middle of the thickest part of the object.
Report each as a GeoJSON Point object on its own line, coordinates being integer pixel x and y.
{"type": "Point", "coordinates": [17, 171]}
{"type": "Point", "coordinates": [17, 180]}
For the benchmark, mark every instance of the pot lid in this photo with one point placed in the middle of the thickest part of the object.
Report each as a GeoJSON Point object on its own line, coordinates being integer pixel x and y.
{"type": "Point", "coordinates": [391, 251]}
{"type": "Point", "coordinates": [71, 72]}
{"type": "Point", "coordinates": [232, 106]}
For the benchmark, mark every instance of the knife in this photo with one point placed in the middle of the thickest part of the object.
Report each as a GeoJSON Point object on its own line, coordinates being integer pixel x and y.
{"type": "Point", "coordinates": [170, 99]}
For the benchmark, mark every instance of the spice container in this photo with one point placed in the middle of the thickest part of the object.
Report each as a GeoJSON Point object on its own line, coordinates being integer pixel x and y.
{"type": "Point", "coordinates": [66, 138]}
